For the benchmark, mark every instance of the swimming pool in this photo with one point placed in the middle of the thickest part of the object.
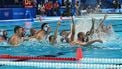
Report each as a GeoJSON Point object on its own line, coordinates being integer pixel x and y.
{"type": "Point", "coordinates": [109, 52]}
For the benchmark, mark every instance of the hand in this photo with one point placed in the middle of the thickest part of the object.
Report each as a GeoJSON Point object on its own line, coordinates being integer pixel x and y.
{"type": "Point", "coordinates": [72, 43]}
{"type": "Point", "coordinates": [59, 23]}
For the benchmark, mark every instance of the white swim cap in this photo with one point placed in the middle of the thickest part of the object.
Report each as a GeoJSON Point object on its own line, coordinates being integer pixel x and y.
{"type": "Point", "coordinates": [1, 32]}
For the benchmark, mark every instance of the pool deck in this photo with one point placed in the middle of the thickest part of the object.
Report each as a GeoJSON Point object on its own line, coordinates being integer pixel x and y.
{"type": "Point", "coordinates": [89, 16]}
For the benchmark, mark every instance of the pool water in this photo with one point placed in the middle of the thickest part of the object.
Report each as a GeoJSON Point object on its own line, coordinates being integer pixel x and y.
{"type": "Point", "coordinates": [109, 49]}
{"type": "Point", "coordinates": [33, 48]}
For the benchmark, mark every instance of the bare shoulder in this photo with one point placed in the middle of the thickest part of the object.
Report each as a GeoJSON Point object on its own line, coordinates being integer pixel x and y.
{"type": "Point", "coordinates": [14, 37]}
{"type": "Point", "coordinates": [40, 31]}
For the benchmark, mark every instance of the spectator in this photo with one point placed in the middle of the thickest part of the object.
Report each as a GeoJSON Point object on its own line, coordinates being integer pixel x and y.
{"type": "Point", "coordinates": [116, 4]}
{"type": "Point", "coordinates": [41, 9]}
{"type": "Point", "coordinates": [48, 8]}
{"type": "Point", "coordinates": [89, 9]}
{"type": "Point", "coordinates": [97, 9]}
{"type": "Point", "coordinates": [34, 3]}
{"type": "Point", "coordinates": [56, 8]}
{"type": "Point", "coordinates": [28, 3]}
{"type": "Point", "coordinates": [67, 11]}
{"type": "Point", "coordinates": [77, 8]}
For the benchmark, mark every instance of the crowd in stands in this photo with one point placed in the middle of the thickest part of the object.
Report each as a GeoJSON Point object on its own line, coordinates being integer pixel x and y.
{"type": "Point", "coordinates": [49, 8]}
{"type": "Point", "coordinates": [15, 3]}
{"type": "Point", "coordinates": [67, 8]}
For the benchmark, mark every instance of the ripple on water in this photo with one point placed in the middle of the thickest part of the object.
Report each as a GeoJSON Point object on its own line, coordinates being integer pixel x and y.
{"type": "Point", "coordinates": [40, 48]}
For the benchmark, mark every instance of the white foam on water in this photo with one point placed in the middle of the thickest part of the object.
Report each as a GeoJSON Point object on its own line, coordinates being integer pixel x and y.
{"type": "Point", "coordinates": [82, 25]}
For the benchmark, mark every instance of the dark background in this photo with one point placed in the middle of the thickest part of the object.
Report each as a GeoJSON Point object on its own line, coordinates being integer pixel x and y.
{"type": "Point", "coordinates": [104, 3]}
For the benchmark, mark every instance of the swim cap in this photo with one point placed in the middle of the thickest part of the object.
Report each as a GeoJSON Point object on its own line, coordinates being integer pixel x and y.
{"type": "Point", "coordinates": [45, 27]}
{"type": "Point", "coordinates": [63, 40]}
{"type": "Point", "coordinates": [1, 33]}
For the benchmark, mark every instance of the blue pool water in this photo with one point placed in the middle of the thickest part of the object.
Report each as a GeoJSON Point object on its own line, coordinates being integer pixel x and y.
{"type": "Point", "coordinates": [113, 47]}
{"type": "Point", "coordinates": [109, 49]}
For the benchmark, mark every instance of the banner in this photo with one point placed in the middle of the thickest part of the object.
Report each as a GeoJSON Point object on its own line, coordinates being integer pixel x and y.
{"type": "Point", "coordinates": [17, 13]}
{"type": "Point", "coordinates": [5, 13]}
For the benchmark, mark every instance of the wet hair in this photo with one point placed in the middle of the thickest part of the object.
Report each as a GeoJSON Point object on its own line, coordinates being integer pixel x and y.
{"type": "Point", "coordinates": [77, 2]}
{"type": "Point", "coordinates": [64, 40]}
{"type": "Point", "coordinates": [32, 31]}
{"type": "Point", "coordinates": [62, 32]}
{"type": "Point", "coordinates": [16, 28]}
{"type": "Point", "coordinates": [87, 33]}
{"type": "Point", "coordinates": [23, 34]}
{"type": "Point", "coordinates": [81, 34]}
{"type": "Point", "coordinates": [51, 37]}
{"type": "Point", "coordinates": [5, 35]}
{"type": "Point", "coordinates": [42, 26]}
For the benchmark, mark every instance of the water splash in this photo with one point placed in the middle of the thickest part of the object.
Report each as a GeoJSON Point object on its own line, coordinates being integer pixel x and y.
{"type": "Point", "coordinates": [84, 25]}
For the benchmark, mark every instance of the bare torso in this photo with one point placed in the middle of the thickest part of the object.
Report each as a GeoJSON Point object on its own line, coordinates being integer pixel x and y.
{"type": "Point", "coordinates": [15, 40]}
{"type": "Point", "coordinates": [40, 35]}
